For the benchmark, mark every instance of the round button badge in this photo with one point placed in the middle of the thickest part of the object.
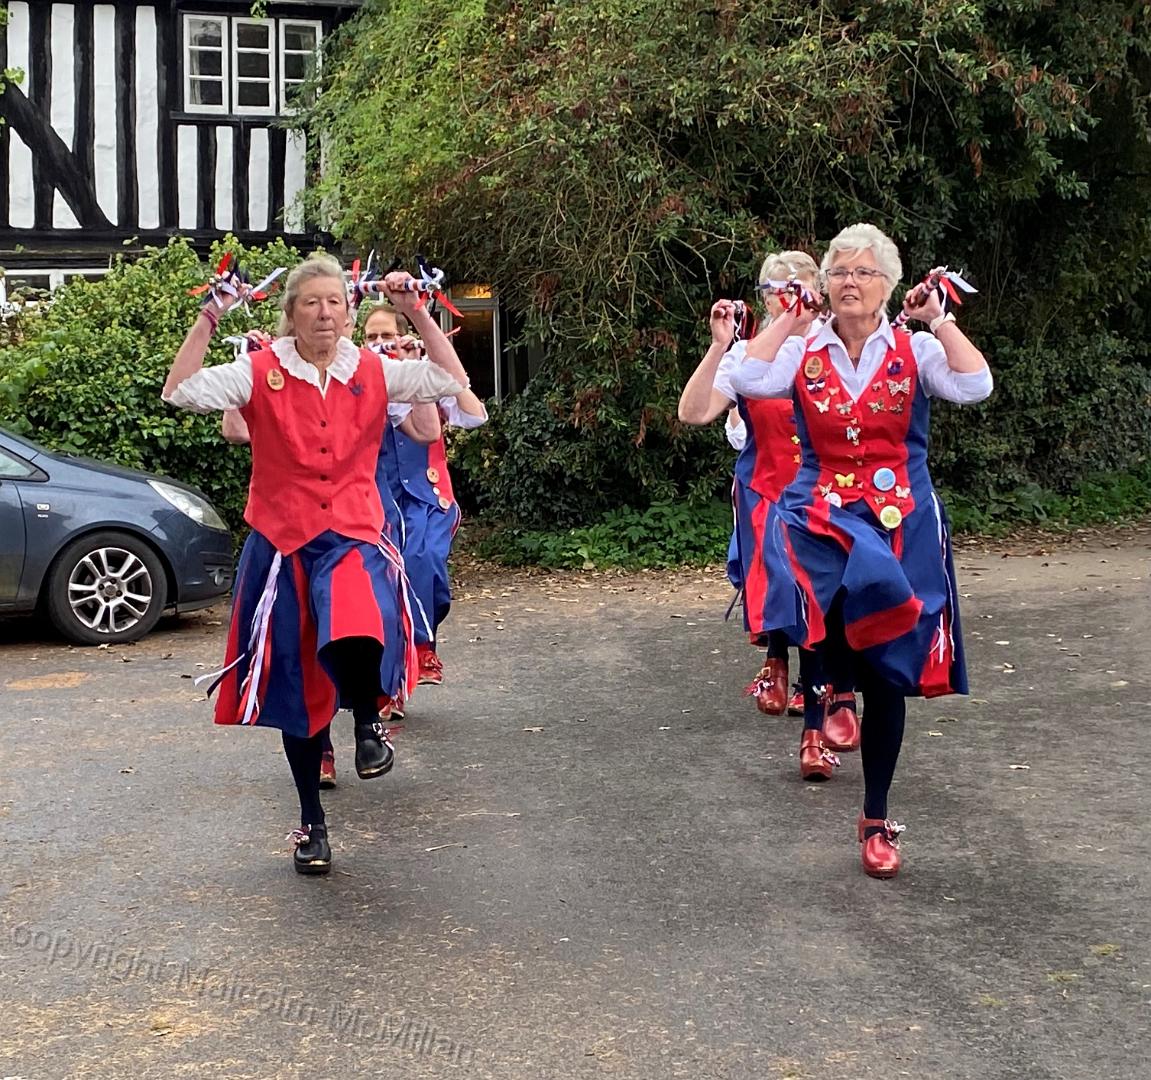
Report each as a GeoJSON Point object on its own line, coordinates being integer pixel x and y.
{"type": "Point", "coordinates": [884, 479]}
{"type": "Point", "coordinates": [891, 517]}
{"type": "Point", "coordinates": [834, 498]}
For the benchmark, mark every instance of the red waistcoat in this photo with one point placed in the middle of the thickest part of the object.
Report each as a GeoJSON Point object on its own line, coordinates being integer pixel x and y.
{"type": "Point", "coordinates": [853, 441]}
{"type": "Point", "coordinates": [770, 457]}
{"type": "Point", "coordinates": [314, 456]}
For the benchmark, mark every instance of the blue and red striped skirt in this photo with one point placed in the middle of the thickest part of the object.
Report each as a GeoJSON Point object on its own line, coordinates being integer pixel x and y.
{"type": "Point", "coordinates": [751, 515]}
{"type": "Point", "coordinates": [287, 610]}
{"type": "Point", "coordinates": [896, 595]}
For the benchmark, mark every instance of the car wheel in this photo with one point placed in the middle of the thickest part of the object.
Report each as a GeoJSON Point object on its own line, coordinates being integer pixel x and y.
{"type": "Point", "coordinates": [106, 588]}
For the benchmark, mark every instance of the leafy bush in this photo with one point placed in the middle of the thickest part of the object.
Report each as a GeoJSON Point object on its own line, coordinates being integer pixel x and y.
{"type": "Point", "coordinates": [86, 373]}
{"type": "Point", "coordinates": [663, 535]}
{"type": "Point", "coordinates": [616, 166]}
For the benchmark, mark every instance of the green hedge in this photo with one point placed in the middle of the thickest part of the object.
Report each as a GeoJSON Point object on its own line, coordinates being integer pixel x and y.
{"type": "Point", "coordinates": [85, 373]}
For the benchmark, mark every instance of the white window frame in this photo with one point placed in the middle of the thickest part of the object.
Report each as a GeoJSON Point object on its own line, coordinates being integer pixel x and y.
{"type": "Point", "coordinates": [253, 110]}
{"type": "Point", "coordinates": [230, 77]}
{"type": "Point", "coordinates": [282, 50]}
{"type": "Point", "coordinates": [225, 61]}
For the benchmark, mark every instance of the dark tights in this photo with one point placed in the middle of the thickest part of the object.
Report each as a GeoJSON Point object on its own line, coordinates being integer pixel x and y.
{"type": "Point", "coordinates": [304, 760]}
{"type": "Point", "coordinates": [354, 664]}
{"type": "Point", "coordinates": [884, 714]}
{"type": "Point", "coordinates": [811, 678]}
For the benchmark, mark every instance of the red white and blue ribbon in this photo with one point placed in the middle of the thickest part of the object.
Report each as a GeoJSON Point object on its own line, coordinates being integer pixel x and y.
{"type": "Point", "coordinates": [230, 279]}
{"type": "Point", "coordinates": [948, 283]}
{"type": "Point", "coordinates": [429, 285]}
{"type": "Point", "coordinates": [744, 321]}
{"type": "Point", "coordinates": [792, 292]}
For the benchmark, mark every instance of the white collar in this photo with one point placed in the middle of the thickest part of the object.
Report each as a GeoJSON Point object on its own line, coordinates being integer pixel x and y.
{"type": "Point", "coordinates": [342, 368]}
{"type": "Point", "coordinates": [828, 335]}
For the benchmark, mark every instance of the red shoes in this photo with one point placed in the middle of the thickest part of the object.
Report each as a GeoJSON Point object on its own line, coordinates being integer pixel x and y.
{"type": "Point", "coordinates": [795, 702]}
{"type": "Point", "coordinates": [328, 770]}
{"type": "Point", "coordinates": [769, 687]}
{"type": "Point", "coordinates": [431, 667]}
{"type": "Point", "coordinates": [880, 853]}
{"type": "Point", "coordinates": [841, 723]}
{"type": "Point", "coordinates": [816, 761]}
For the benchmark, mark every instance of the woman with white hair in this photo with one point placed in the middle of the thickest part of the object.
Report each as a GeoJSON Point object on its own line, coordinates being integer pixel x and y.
{"type": "Point", "coordinates": [857, 549]}
{"type": "Point", "coordinates": [319, 620]}
{"type": "Point", "coordinates": [767, 463]}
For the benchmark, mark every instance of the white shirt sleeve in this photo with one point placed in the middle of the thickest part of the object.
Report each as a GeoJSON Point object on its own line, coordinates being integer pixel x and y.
{"type": "Point", "coordinates": [736, 435]}
{"type": "Point", "coordinates": [417, 380]}
{"type": "Point", "coordinates": [398, 412]}
{"type": "Point", "coordinates": [727, 365]}
{"type": "Point", "coordinates": [760, 379]}
{"type": "Point", "coordinates": [937, 378]}
{"type": "Point", "coordinates": [456, 417]}
{"type": "Point", "coordinates": [214, 389]}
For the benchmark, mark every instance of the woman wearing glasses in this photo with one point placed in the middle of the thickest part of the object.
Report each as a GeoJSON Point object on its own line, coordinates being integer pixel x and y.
{"type": "Point", "coordinates": [857, 549]}
{"type": "Point", "coordinates": [768, 460]}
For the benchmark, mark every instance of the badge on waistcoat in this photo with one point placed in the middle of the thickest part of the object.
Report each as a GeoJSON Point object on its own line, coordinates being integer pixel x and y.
{"type": "Point", "coordinates": [445, 503]}
{"type": "Point", "coordinates": [434, 475]}
{"type": "Point", "coordinates": [275, 379]}
{"type": "Point", "coordinates": [813, 368]}
{"type": "Point", "coordinates": [891, 517]}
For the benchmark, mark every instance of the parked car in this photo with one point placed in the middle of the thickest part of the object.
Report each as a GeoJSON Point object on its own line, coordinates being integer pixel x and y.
{"type": "Point", "coordinates": [103, 551]}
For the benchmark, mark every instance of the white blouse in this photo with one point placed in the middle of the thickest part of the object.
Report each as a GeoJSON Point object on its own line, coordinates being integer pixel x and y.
{"type": "Point", "coordinates": [776, 379]}
{"type": "Point", "coordinates": [454, 415]}
{"type": "Point", "coordinates": [229, 386]}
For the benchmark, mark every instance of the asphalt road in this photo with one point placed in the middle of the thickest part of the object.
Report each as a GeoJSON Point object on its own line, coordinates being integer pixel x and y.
{"type": "Point", "coordinates": [594, 858]}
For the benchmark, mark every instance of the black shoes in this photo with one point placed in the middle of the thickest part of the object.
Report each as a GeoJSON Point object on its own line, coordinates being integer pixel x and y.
{"type": "Point", "coordinates": [313, 855]}
{"type": "Point", "coordinates": [374, 752]}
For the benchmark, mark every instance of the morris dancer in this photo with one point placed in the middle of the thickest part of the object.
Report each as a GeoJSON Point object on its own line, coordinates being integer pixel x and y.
{"type": "Point", "coordinates": [767, 463]}
{"type": "Point", "coordinates": [318, 619]}
{"type": "Point", "coordinates": [857, 549]}
{"type": "Point", "coordinates": [422, 425]}
{"type": "Point", "coordinates": [414, 480]}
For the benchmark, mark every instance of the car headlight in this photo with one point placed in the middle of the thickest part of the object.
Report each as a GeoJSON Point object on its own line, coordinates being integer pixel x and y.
{"type": "Point", "coordinates": [199, 510]}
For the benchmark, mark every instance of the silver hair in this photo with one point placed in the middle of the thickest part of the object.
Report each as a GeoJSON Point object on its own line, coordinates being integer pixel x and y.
{"type": "Point", "coordinates": [785, 265]}
{"type": "Point", "coordinates": [864, 237]}
{"type": "Point", "coordinates": [316, 265]}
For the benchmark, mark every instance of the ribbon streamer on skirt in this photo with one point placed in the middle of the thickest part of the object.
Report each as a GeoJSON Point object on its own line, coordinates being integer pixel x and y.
{"type": "Point", "coordinates": [396, 561]}
{"type": "Point", "coordinates": [256, 649]}
{"type": "Point", "coordinates": [948, 283]}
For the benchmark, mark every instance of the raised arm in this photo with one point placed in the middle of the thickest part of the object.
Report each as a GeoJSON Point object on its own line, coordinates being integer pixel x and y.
{"type": "Point", "coordinates": [439, 346]}
{"type": "Point", "coordinates": [700, 403]}
{"type": "Point", "coordinates": [962, 355]}
{"type": "Point", "coordinates": [190, 385]}
{"type": "Point", "coordinates": [422, 424]}
{"type": "Point", "coordinates": [234, 428]}
{"type": "Point", "coordinates": [190, 356]}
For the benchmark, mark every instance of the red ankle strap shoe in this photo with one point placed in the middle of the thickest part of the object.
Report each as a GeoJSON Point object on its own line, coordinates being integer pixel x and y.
{"type": "Point", "coordinates": [880, 855]}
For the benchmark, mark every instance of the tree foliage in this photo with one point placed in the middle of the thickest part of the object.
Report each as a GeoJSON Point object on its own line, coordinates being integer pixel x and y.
{"type": "Point", "coordinates": [84, 372]}
{"type": "Point", "coordinates": [613, 167]}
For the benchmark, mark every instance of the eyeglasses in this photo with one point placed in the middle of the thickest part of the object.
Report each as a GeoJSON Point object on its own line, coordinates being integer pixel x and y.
{"type": "Point", "coordinates": [862, 274]}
